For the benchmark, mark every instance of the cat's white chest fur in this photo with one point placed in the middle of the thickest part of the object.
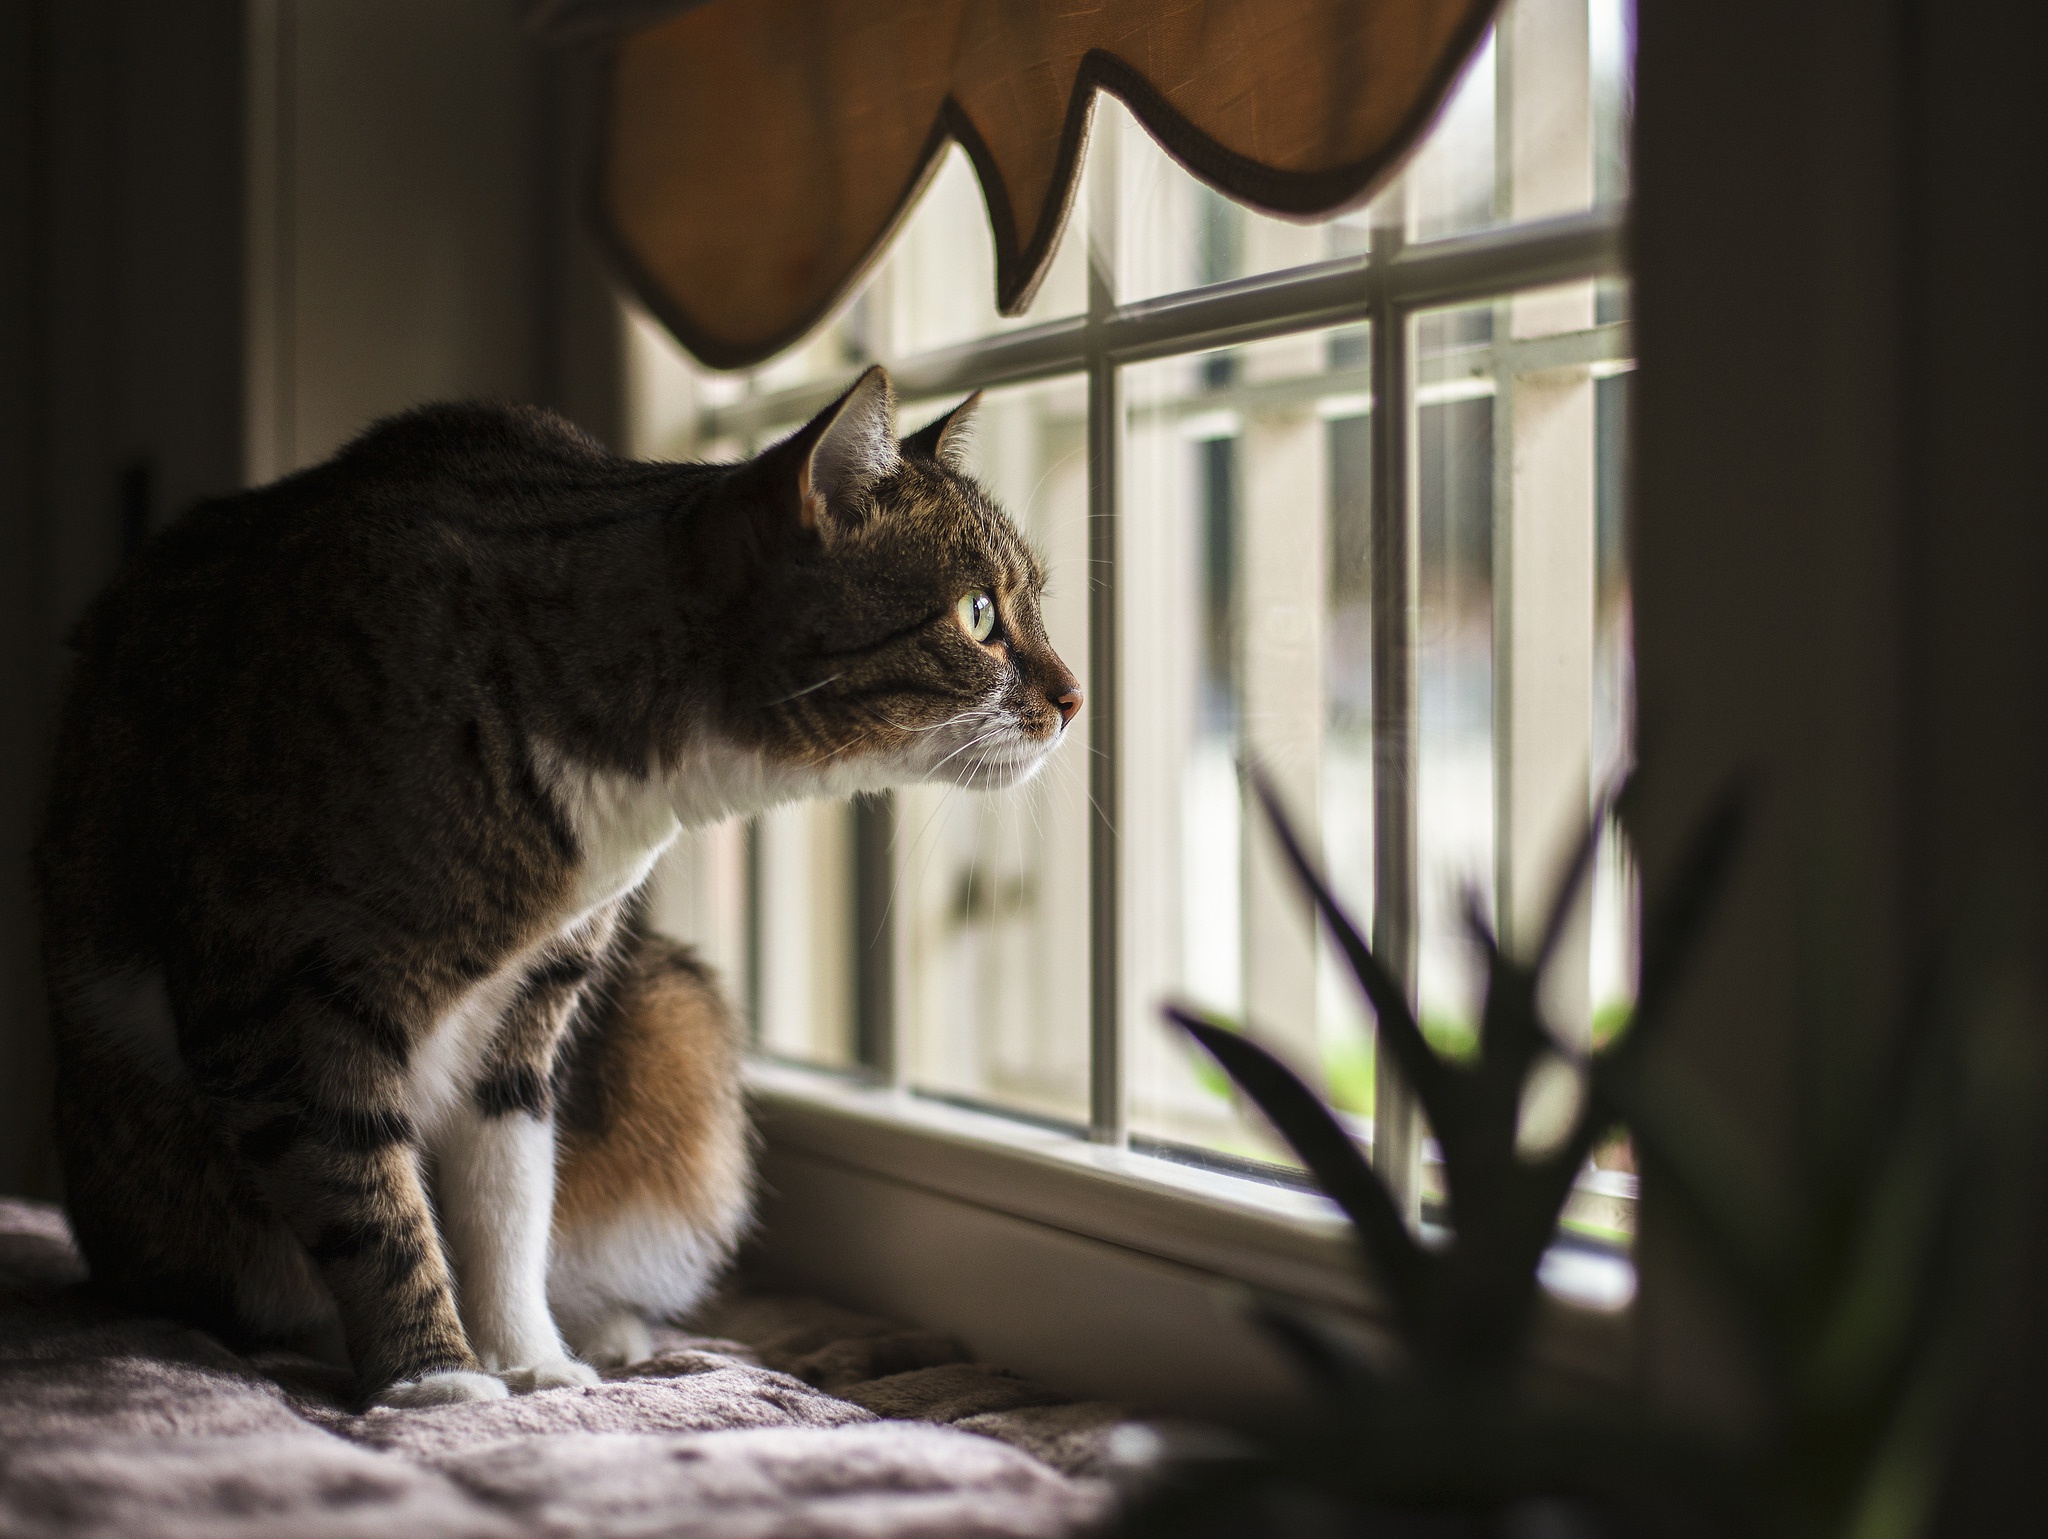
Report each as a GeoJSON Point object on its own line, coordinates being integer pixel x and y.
{"type": "Point", "coordinates": [622, 825]}
{"type": "Point", "coordinates": [447, 1062]}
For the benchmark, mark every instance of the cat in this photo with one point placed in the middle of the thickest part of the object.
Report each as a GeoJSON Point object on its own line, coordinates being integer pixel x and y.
{"type": "Point", "coordinates": [364, 1043]}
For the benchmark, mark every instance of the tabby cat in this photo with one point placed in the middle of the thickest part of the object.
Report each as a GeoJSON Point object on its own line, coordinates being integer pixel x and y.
{"type": "Point", "coordinates": [363, 1041]}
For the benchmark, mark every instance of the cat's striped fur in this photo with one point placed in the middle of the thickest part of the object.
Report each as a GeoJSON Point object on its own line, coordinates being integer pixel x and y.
{"type": "Point", "coordinates": [361, 1040]}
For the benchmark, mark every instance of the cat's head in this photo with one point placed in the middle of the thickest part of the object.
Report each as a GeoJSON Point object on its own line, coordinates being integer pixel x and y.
{"type": "Point", "coordinates": [892, 630]}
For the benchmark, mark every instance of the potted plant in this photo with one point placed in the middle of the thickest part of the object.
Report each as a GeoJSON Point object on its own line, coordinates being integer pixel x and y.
{"type": "Point", "coordinates": [1858, 1280]}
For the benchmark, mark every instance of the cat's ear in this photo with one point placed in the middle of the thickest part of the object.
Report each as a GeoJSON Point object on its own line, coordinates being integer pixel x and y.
{"type": "Point", "coordinates": [945, 438]}
{"type": "Point", "coordinates": [851, 444]}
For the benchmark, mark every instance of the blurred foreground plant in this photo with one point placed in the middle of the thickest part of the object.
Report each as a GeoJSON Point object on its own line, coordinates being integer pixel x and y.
{"type": "Point", "coordinates": [1861, 1282]}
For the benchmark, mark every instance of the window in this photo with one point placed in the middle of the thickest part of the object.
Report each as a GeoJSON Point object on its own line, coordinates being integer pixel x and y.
{"type": "Point", "coordinates": [1344, 498]}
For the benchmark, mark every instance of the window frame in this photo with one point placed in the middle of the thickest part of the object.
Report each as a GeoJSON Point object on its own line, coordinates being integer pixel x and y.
{"type": "Point", "coordinates": [1385, 286]}
{"type": "Point", "coordinates": [1106, 1272]}
{"type": "Point", "coordinates": [869, 1140]}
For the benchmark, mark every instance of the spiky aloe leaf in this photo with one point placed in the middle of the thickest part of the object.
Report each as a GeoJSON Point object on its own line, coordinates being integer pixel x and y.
{"type": "Point", "coordinates": [1326, 1150]}
{"type": "Point", "coordinates": [1702, 1167]}
{"type": "Point", "coordinates": [1333, 1361]}
{"type": "Point", "coordinates": [1418, 1061]}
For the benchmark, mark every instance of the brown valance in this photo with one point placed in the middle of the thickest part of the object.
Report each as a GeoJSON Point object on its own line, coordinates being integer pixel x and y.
{"type": "Point", "coordinates": [757, 154]}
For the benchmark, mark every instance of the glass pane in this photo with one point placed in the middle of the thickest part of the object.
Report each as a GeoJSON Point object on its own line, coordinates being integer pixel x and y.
{"type": "Point", "coordinates": [1606, 1207]}
{"type": "Point", "coordinates": [802, 862]}
{"type": "Point", "coordinates": [1520, 418]}
{"type": "Point", "coordinates": [991, 898]}
{"type": "Point", "coordinates": [1174, 233]}
{"type": "Point", "coordinates": [1613, 955]}
{"type": "Point", "coordinates": [934, 287]}
{"type": "Point", "coordinates": [1245, 588]}
{"type": "Point", "coordinates": [1537, 126]}
{"type": "Point", "coordinates": [937, 285]}
{"type": "Point", "coordinates": [1612, 29]}
{"type": "Point", "coordinates": [1454, 475]}
{"type": "Point", "coordinates": [1450, 184]}
{"type": "Point", "coordinates": [698, 895]}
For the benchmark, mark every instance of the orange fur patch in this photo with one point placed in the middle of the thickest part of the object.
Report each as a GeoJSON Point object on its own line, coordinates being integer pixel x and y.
{"type": "Point", "coordinates": [669, 1125]}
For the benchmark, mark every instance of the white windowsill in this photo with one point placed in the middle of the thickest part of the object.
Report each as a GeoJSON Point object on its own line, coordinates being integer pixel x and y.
{"type": "Point", "coordinates": [1232, 1229]}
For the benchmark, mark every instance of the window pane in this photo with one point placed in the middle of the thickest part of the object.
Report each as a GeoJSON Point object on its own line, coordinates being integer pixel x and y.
{"type": "Point", "coordinates": [699, 896]}
{"type": "Point", "coordinates": [1246, 626]}
{"type": "Point", "coordinates": [1538, 126]}
{"type": "Point", "coordinates": [1612, 35]}
{"type": "Point", "coordinates": [934, 287]}
{"type": "Point", "coordinates": [1450, 184]}
{"type": "Point", "coordinates": [1174, 233]}
{"type": "Point", "coordinates": [1606, 1204]}
{"type": "Point", "coordinates": [991, 896]}
{"type": "Point", "coordinates": [1454, 476]}
{"type": "Point", "coordinates": [937, 284]}
{"type": "Point", "coordinates": [1520, 415]}
{"type": "Point", "coordinates": [802, 863]}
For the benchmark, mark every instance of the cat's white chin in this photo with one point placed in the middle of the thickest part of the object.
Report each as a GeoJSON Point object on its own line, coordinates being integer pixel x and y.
{"type": "Point", "coordinates": [1001, 772]}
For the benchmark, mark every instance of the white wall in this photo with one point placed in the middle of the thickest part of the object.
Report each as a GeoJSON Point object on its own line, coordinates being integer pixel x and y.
{"type": "Point", "coordinates": [394, 216]}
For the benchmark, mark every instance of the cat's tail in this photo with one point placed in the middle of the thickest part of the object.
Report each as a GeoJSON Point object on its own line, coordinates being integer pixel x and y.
{"type": "Point", "coordinates": [654, 1170]}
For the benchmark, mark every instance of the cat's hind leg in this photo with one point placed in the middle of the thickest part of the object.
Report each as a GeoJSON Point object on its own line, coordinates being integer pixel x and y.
{"type": "Point", "coordinates": [239, 1192]}
{"type": "Point", "coordinates": [308, 1080]}
{"type": "Point", "coordinates": [168, 1220]}
{"type": "Point", "coordinates": [654, 1180]}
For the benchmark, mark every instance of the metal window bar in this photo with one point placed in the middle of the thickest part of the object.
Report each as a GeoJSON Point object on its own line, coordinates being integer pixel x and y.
{"type": "Point", "coordinates": [1396, 723]}
{"type": "Point", "coordinates": [1385, 287]}
{"type": "Point", "coordinates": [1106, 1097]}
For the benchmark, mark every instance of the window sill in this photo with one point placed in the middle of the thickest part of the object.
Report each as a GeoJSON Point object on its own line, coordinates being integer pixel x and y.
{"type": "Point", "coordinates": [939, 1215]}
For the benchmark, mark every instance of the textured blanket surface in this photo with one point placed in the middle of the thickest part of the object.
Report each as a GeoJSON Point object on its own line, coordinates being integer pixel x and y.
{"type": "Point", "coordinates": [793, 1418]}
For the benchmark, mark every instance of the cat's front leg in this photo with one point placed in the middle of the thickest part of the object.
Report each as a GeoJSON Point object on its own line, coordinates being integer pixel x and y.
{"type": "Point", "coordinates": [496, 1156]}
{"type": "Point", "coordinates": [497, 1191]}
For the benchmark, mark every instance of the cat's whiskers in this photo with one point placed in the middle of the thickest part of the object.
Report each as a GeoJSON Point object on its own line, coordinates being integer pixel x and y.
{"type": "Point", "coordinates": [1031, 498]}
{"type": "Point", "coordinates": [875, 713]}
{"type": "Point", "coordinates": [972, 742]}
{"type": "Point", "coordinates": [957, 718]}
{"type": "Point", "coordinates": [968, 717]}
{"type": "Point", "coordinates": [956, 753]}
{"type": "Point", "coordinates": [800, 693]}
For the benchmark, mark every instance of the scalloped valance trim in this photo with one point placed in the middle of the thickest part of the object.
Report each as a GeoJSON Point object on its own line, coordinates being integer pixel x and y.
{"type": "Point", "coordinates": [745, 189]}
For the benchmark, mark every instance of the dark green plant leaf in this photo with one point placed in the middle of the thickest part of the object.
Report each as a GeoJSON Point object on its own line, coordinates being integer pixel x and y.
{"type": "Point", "coordinates": [1418, 1061]}
{"type": "Point", "coordinates": [1705, 1168]}
{"type": "Point", "coordinates": [1326, 1149]}
{"type": "Point", "coordinates": [1333, 1361]}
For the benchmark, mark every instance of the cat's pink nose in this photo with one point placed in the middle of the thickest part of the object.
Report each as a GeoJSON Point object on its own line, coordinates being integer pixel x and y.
{"type": "Point", "coordinates": [1069, 704]}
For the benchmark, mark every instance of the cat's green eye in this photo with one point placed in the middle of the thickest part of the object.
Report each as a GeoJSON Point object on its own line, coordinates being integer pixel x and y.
{"type": "Point", "coordinates": [978, 615]}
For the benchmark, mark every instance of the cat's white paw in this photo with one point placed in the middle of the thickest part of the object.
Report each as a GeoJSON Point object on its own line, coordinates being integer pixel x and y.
{"type": "Point", "coordinates": [556, 1373]}
{"type": "Point", "coordinates": [451, 1386]}
{"type": "Point", "coordinates": [617, 1341]}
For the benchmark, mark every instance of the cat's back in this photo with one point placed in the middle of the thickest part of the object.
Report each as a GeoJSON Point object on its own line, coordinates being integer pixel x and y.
{"type": "Point", "coordinates": [399, 532]}
{"type": "Point", "coordinates": [275, 661]}
{"type": "Point", "coordinates": [445, 484]}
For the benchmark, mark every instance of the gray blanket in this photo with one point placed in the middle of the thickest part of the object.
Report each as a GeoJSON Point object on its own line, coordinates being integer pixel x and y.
{"type": "Point", "coordinates": [794, 1418]}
